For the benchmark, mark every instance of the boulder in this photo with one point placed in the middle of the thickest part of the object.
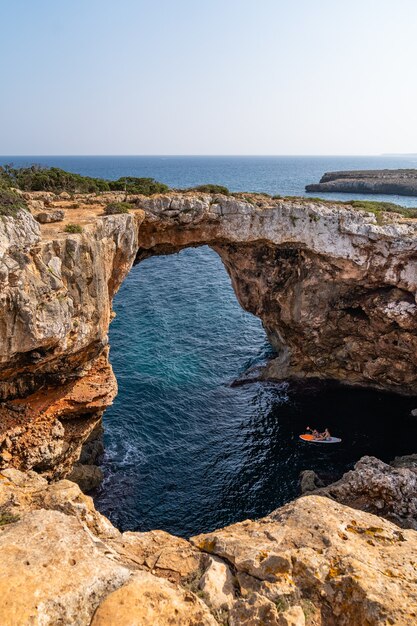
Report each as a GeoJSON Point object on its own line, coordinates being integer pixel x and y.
{"type": "Point", "coordinates": [47, 217]}
{"type": "Point", "coordinates": [309, 481]}
{"type": "Point", "coordinates": [294, 616]}
{"type": "Point", "coordinates": [409, 460]}
{"type": "Point", "coordinates": [150, 601]}
{"type": "Point", "coordinates": [254, 611]}
{"type": "Point", "coordinates": [218, 585]}
{"type": "Point", "coordinates": [53, 571]}
{"type": "Point", "coordinates": [162, 554]}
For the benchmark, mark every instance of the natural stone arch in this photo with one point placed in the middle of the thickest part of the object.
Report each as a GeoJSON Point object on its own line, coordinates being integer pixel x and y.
{"type": "Point", "coordinates": [335, 292]}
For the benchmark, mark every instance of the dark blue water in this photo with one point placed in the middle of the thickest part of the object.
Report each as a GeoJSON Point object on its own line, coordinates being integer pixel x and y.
{"type": "Point", "coordinates": [185, 451]}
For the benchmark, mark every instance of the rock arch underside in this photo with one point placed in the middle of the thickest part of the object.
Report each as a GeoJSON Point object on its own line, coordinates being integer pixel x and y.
{"type": "Point", "coordinates": [335, 289]}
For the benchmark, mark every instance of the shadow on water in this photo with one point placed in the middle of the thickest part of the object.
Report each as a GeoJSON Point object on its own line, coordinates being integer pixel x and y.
{"type": "Point", "coordinates": [369, 423]}
{"type": "Point", "coordinates": [187, 452]}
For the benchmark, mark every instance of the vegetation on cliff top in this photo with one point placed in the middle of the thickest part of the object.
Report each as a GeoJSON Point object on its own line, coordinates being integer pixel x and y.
{"type": "Point", "coordinates": [380, 207]}
{"type": "Point", "coordinates": [56, 180]}
{"type": "Point", "coordinates": [38, 178]}
{"type": "Point", "coordinates": [144, 186]}
{"type": "Point", "coordinates": [10, 202]}
{"type": "Point", "coordinates": [363, 205]}
{"type": "Point", "coordinates": [113, 208]}
{"type": "Point", "coordinates": [73, 228]}
{"type": "Point", "coordinates": [211, 189]}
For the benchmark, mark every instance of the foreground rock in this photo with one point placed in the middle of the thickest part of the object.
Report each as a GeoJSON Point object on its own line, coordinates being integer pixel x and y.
{"type": "Point", "coordinates": [342, 566]}
{"type": "Point", "coordinates": [336, 292]}
{"type": "Point", "coordinates": [313, 562]}
{"type": "Point", "coordinates": [398, 182]}
{"type": "Point", "coordinates": [53, 571]}
{"type": "Point", "coordinates": [147, 600]}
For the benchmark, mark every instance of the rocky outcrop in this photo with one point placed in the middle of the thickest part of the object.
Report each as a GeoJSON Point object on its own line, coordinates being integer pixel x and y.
{"type": "Point", "coordinates": [313, 562]}
{"type": "Point", "coordinates": [398, 182]}
{"type": "Point", "coordinates": [335, 291]}
{"type": "Point", "coordinates": [47, 429]}
{"type": "Point", "coordinates": [309, 481]}
{"type": "Point", "coordinates": [374, 486]}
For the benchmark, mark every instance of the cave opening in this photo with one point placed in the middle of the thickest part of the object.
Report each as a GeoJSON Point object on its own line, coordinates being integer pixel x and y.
{"type": "Point", "coordinates": [188, 452]}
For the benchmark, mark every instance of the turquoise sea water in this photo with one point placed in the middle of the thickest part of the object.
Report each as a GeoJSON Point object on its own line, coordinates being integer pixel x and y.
{"type": "Point", "coordinates": [185, 451]}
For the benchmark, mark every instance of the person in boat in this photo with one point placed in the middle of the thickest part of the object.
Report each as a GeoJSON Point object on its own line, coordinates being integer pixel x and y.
{"type": "Point", "coordinates": [325, 435]}
{"type": "Point", "coordinates": [314, 432]}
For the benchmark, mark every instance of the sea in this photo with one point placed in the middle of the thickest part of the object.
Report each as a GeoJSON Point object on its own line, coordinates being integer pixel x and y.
{"type": "Point", "coordinates": [185, 450]}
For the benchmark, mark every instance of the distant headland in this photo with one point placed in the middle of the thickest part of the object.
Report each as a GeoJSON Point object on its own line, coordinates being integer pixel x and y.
{"type": "Point", "coordinates": [398, 182]}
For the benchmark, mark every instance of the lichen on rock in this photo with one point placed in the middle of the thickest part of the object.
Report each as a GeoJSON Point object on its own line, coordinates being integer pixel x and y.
{"type": "Point", "coordinates": [312, 562]}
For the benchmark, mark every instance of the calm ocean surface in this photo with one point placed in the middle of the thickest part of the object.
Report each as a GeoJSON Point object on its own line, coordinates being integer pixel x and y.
{"type": "Point", "coordinates": [185, 451]}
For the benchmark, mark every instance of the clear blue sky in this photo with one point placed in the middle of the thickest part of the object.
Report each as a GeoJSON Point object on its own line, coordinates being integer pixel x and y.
{"type": "Point", "coordinates": [214, 77]}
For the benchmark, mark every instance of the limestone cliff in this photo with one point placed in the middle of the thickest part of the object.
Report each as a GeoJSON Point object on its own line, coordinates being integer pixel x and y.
{"type": "Point", "coordinates": [336, 293]}
{"type": "Point", "coordinates": [334, 288]}
{"type": "Point", "coordinates": [313, 562]}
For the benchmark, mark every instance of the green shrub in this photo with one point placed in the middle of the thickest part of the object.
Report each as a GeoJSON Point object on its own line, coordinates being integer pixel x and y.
{"type": "Point", "coordinates": [211, 189]}
{"type": "Point", "coordinates": [73, 228]}
{"type": "Point", "coordinates": [5, 181]}
{"type": "Point", "coordinates": [144, 186]}
{"type": "Point", "coordinates": [6, 517]}
{"type": "Point", "coordinates": [10, 203]}
{"type": "Point", "coordinates": [39, 178]}
{"type": "Point", "coordinates": [114, 208]}
{"type": "Point", "coordinates": [364, 205]}
{"type": "Point", "coordinates": [378, 207]}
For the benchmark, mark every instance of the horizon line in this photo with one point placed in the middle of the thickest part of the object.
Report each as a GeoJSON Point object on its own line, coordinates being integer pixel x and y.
{"type": "Point", "coordinates": [384, 154]}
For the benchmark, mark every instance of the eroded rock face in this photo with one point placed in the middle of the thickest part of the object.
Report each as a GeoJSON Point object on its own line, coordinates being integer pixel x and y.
{"type": "Point", "coordinates": [47, 429]}
{"type": "Point", "coordinates": [313, 562]}
{"type": "Point", "coordinates": [382, 489]}
{"type": "Point", "coordinates": [334, 289]}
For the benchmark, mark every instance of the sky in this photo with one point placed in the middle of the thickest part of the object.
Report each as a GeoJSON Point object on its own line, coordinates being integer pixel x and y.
{"type": "Point", "coordinates": [267, 77]}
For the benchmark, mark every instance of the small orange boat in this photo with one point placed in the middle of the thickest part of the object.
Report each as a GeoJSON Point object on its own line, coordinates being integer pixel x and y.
{"type": "Point", "coordinates": [312, 439]}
